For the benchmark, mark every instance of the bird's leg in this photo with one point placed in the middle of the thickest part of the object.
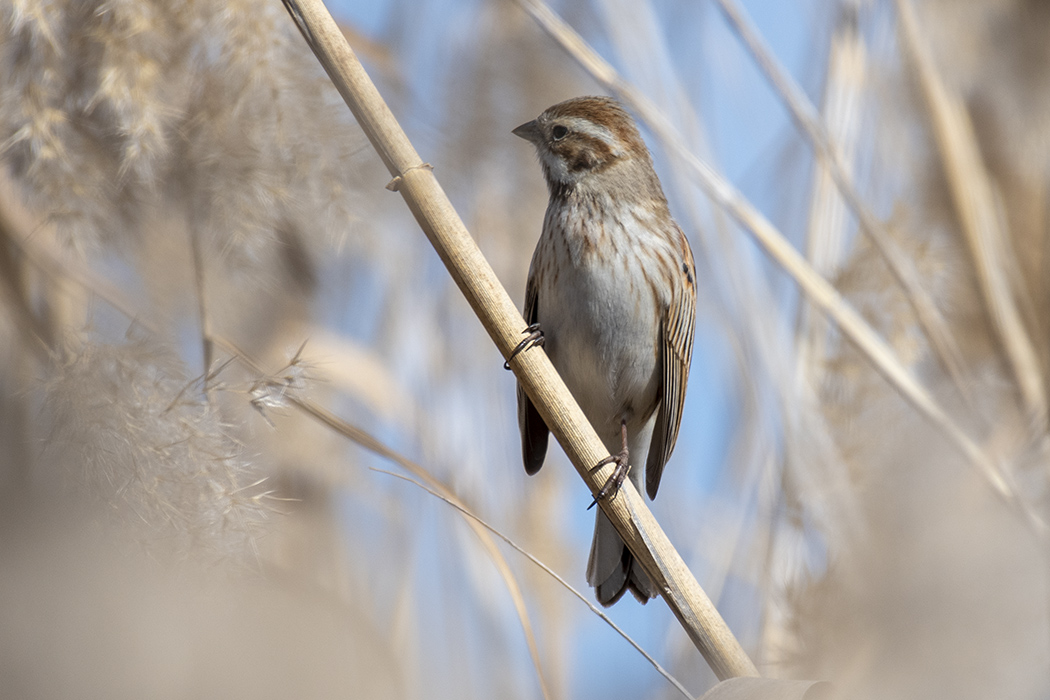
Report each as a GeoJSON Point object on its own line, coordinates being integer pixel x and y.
{"type": "Point", "coordinates": [534, 338]}
{"type": "Point", "coordinates": [615, 480]}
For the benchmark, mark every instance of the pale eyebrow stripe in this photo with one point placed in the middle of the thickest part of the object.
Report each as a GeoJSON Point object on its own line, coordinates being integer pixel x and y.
{"type": "Point", "coordinates": [597, 131]}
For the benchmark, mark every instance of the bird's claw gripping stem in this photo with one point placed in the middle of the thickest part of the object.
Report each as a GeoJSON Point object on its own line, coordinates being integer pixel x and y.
{"type": "Point", "coordinates": [534, 338]}
{"type": "Point", "coordinates": [615, 481]}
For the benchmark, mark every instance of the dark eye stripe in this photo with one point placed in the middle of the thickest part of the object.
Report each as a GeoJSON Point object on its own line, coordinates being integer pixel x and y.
{"type": "Point", "coordinates": [583, 152]}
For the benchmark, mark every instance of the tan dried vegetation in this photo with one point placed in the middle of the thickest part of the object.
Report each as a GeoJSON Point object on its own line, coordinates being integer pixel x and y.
{"type": "Point", "coordinates": [185, 499]}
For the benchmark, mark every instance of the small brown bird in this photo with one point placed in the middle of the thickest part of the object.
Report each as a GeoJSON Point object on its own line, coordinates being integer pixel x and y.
{"type": "Point", "coordinates": [611, 286]}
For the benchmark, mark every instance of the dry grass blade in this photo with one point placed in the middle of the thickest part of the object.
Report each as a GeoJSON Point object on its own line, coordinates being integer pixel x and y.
{"type": "Point", "coordinates": [504, 324]}
{"type": "Point", "coordinates": [817, 289]}
{"type": "Point", "coordinates": [34, 331]}
{"type": "Point", "coordinates": [826, 235]}
{"type": "Point", "coordinates": [553, 574]}
{"type": "Point", "coordinates": [806, 116]}
{"type": "Point", "coordinates": [17, 225]}
{"type": "Point", "coordinates": [366, 440]}
{"type": "Point", "coordinates": [203, 318]}
{"type": "Point", "coordinates": [982, 223]}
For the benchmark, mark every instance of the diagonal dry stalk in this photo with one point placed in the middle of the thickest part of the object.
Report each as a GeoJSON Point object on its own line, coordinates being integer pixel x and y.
{"type": "Point", "coordinates": [818, 290]}
{"type": "Point", "coordinates": [807, 117]}
{"type": "Point", "coordinates": [479, 284]}
{"type": "Point", "coordinates": [58, 270]}
{"type": "Point", "coordinates": [742, 296]}
{"type": "Point", "coordinates": [550, 572]}
{"type": "Point", "coordinates": [369, 442]}
{"type": "Point", "coordinates": [114, 298]}
{"type": "Point", "coordinates": [980, 218]}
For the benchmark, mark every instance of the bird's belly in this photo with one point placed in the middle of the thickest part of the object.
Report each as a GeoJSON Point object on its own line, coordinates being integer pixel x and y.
{"type": "Point", "coordinates": [601, 332]}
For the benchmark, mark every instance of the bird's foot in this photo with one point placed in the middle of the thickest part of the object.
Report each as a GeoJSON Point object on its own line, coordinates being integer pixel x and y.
{"type": "Point", "coordinates": [615, 480]}
{"type": "Point", "coordinates": [534, 338]}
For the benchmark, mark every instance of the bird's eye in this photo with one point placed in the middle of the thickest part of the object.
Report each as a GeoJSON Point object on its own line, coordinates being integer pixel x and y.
{"type": "Point", "coordinates": [559, 132]}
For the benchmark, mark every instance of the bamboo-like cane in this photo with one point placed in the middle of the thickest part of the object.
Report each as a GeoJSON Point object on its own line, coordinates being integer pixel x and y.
{"type": "Point", "coordinates": [479, 284]}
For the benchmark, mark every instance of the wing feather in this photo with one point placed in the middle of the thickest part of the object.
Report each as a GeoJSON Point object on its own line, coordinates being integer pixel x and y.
{"type": "Point", "coordinates": [676, 353]}
{"type": "Point", "coordinates": [534, 432]}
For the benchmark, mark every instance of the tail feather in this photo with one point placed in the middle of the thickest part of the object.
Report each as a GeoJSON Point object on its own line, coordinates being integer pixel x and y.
{"type": "Point", "coordinates": [612, 570]}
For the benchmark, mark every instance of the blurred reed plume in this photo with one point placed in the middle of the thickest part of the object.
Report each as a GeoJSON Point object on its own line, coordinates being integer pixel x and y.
{"type": "Point", "coordinates": [205, 290]}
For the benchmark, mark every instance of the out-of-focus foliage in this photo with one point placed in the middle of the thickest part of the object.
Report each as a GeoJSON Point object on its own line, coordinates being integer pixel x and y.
{"type": "Point", "coordinates": [180, 180]}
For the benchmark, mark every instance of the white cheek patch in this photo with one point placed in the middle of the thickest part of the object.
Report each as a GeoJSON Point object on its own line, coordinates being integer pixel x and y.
{"type": "Point", "coordinates": [557, 167]}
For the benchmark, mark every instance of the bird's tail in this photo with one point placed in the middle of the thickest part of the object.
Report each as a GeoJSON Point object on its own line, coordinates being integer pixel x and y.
{"type": "Point", "coordinates": [612, 569]}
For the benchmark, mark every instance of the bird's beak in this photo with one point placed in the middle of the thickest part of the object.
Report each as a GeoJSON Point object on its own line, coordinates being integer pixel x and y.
{"type": "Point", "coordinates": [530, 131]}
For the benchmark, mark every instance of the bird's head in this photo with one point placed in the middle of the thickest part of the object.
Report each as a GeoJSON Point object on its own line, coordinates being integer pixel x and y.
{"type": "Point", "coordinates": [588, 141]}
